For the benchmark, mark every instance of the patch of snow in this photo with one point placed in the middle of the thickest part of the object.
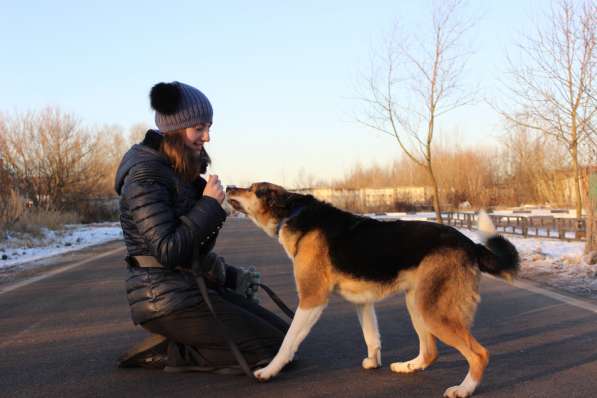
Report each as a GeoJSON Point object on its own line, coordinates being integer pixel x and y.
{"type": "Point", "coordinates": [556, 263]}
{"type": "Point", "coordinates": [19, 250]}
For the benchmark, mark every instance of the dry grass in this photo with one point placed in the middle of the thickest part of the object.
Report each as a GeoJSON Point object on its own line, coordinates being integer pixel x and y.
{"type": "Point", "coordinates": [11, 209]}
{"type": "Point", "coordinates": [34, 220]}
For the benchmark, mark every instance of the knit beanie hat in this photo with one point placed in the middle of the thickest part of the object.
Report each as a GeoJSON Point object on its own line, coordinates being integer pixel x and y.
{"type": "Point", "coordinates": [178, 105]}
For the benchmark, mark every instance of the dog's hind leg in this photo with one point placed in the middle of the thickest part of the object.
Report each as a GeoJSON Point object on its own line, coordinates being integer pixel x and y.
{"type": "Point", "coordinates": [459, 337]}
{"type": "Point", "coordinates": [447, 297]}
{"type": "Point", "coordinates": [427, 347]}
{"type": "Point", "coordinates": [368, 321]}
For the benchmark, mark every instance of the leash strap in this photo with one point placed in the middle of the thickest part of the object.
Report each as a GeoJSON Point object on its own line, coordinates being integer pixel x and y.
{"type": "Point", "coordinates": [276, 299]}
{"type": "Point", "coordinates": [204, 293]}
{"type": "Point", "coordinates": [224, 330]}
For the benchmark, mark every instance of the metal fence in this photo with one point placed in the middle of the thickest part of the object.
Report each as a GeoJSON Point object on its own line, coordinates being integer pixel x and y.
{"type": "Point", "coordinates": [527, 226]}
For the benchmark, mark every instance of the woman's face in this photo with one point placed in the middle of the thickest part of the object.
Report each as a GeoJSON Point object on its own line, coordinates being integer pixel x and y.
{"type": "Point", "coordinates": [194, 137]}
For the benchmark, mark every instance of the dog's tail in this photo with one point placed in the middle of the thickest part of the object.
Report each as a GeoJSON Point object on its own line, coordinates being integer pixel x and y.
{"type": "Point", "coordinates": [497, 255]}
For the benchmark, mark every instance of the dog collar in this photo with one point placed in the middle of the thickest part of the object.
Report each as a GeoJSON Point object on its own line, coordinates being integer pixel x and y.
{"type": "Point", "coordinates": [283, 221]}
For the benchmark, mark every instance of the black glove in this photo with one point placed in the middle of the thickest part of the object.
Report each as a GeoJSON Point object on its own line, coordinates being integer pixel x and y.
{"type": "Point", "coordinates": [239, 279]}
{"type": "Point", "coordinates": [213, 268]}
{"type": "Point", "coordinates": [246, 283]}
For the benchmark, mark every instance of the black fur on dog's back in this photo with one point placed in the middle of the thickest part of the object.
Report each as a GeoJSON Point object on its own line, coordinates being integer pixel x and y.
{"type": "Point", "coordinates": [377, 250]}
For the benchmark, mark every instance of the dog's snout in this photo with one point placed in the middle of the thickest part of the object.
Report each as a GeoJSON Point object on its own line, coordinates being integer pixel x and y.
{"type": "Point", "coordinates": [230, 188]}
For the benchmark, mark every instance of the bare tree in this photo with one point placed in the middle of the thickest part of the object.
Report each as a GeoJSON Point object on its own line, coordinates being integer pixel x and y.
{"type": "Point", "coordinates": [111, 146]}
{"type": "Point", "coordinates": [534, 164]}
{"type": "Point", "coordinates": [137, 132]}
{"type": "Point", "coordinates": [591, 193]}
{"type": "Point", "coordinates": [305, 179]}
{"type": "Point", "coordinates": [50, 157]}
{"type": "Point", "coordinates": [589, 185]}
{"type": "Point", "coordinates": [553, 82]}
{"type": "Point", "coordinates": [410, 87]}
{"type": "Point", "coordinates": [11, 205]}
{"type": "Point", "coordinates": [465, 174]}
{"type": "Point", "coordinates": [5, 183]}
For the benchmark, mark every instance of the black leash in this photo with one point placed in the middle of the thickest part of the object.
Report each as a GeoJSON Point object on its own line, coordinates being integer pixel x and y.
{"type": "Point", "coordinates": [277, 300]}
{"type": "Point", "coordinates": [224, 330]}
{"type": "Point", "coordinates": [204, 293]}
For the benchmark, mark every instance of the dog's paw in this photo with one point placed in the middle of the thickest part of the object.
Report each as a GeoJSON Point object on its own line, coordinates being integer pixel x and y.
{"type": "Point", "coordinates": [458, 392]}
{"type": "Point", "coordinates": [465, 389]}
{"type": "Point", "coordinates": [372, 362]}
{"type": "Point", "coordinates": [406, 367]}
{"type": "Point", "coordinates": [265, 374]}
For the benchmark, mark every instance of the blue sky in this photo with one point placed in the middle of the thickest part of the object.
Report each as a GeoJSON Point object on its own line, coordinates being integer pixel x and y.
{"type": "Point", "coordinates": [282, 76]}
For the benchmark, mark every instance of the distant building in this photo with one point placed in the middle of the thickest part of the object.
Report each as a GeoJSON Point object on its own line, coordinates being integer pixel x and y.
{"type": "Point", "coordinates": [371, 197]}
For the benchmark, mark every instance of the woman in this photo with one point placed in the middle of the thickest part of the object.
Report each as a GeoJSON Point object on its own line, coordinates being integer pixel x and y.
{"type": "Point", "coordinates": [167, 210]}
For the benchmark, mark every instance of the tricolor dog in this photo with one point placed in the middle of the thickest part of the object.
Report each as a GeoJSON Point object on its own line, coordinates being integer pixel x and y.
{"type": "Point", "coordinates": [366, 260]}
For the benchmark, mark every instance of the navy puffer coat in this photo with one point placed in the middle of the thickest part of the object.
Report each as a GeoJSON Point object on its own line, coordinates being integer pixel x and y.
{"type": "Point", "coordinates": [153, 197]}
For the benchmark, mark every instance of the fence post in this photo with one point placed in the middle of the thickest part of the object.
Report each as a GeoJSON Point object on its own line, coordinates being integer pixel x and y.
{"type": "Point", "coordinates": [561, 231]}
{"type": "Point", "coordinates": [578, 231]}
{"type": "Point", "coordinates": [525, 227]}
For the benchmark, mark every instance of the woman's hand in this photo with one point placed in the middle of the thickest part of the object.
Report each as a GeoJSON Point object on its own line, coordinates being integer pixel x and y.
{"type": "Point", "coordinates": [213, 268]}
{"type": "Point", "coordinates": [247, 280]}
{"type": "Point", "coordinates": [214, 189]}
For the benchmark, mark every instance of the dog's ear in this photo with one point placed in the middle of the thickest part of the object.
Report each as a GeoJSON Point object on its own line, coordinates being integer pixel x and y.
{"type": "Point", "coordinates": [274, 199]}
{"type": "Point", "coordinates": [269, 196]}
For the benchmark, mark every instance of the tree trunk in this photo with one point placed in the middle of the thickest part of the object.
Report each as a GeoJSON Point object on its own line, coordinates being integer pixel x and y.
{"type": "Point", "coordinates": [436, 207]}
{"type": "Point", "coordinates": [430, 129]}
{"type": "Point", "coordinates": [591, 208]}
{"type": "Point", "coordinates": [574, 153]}
{"type": "Point", "coordinates": [577, 191]}
{"type": "Point", "coordinates": [591, 244]}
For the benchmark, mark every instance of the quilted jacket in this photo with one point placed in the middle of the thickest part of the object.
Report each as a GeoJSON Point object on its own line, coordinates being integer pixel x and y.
{"type": "Point", "coordinates": [153, 197]}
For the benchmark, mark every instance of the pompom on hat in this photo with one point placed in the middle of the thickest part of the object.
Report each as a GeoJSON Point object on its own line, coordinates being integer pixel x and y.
{"type": "Point", "coordinates": [178, 105]}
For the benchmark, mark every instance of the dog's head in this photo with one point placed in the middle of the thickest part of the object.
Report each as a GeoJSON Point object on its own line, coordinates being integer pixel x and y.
{"type": "Point", "coordinates": [265, 203]}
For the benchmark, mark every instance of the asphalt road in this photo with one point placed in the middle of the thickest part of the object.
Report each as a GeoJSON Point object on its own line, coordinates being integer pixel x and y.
{"type": "Point", "coordinates": [60, 337]}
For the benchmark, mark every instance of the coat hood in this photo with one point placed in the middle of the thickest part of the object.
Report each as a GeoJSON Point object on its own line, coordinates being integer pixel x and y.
{"type": "Point", "coordinates": [146, 151]}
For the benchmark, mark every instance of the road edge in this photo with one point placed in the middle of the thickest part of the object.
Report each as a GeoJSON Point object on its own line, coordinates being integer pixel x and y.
{"type": "Point", "coordinates": [28, 281]}
{"type": "Point", "coordinates": [535, 287]}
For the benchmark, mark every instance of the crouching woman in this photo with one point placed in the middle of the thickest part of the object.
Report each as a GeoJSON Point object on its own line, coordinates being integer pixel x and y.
{"type": "Point", "coordinates": [169, 214]}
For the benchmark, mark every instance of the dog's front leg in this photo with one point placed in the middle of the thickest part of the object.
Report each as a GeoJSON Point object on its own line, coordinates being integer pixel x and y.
{"type": "Point", "coordinates": [368, 321]}
{"type": "Point", "coordinates": [301, 325]}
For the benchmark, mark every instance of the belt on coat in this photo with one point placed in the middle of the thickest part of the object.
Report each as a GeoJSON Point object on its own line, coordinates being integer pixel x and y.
{"type": "Point", "coordinates": [143, 262]}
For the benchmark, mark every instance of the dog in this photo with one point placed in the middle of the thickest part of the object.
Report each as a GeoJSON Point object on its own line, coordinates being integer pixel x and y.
{"type": "Point", "coordinates": [366, 260]}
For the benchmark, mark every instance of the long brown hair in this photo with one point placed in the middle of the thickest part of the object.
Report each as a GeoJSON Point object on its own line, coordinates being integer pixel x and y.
{"type": "Point", "coordinates": [183, 159]}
